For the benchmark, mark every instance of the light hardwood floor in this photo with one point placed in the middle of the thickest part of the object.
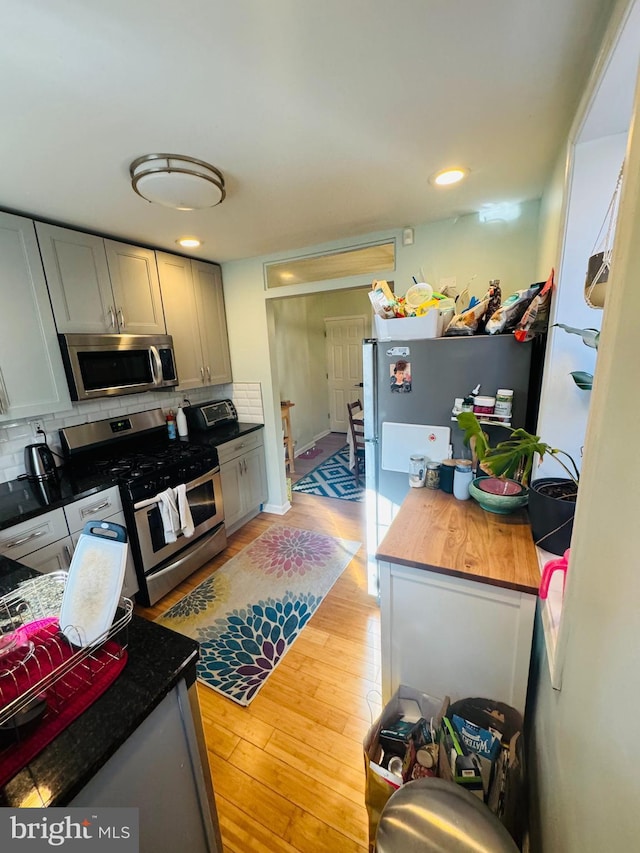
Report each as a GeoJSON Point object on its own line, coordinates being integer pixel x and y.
{"type": "Point", "coordinates": [288, 770]}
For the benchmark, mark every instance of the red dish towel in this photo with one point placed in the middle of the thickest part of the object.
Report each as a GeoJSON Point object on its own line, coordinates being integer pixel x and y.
{"type": "Point", "coordinates": [66, 699]}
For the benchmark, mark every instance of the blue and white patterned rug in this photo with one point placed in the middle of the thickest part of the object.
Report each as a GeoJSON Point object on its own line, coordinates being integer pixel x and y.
{"type": "Point", "coordinates": [248, 613]}
{"type": "Point", "coordinates": [332, 479]}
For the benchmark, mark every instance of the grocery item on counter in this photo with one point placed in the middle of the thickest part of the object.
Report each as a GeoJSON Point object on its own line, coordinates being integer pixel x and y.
{"type": "Point", "coordinates": [181, 423]}
{"type": "Point", "coordinates": [432, 477]}
{"type": "Point", "coordinates": [462, 477]}
{"type": "Point", "coordinates": [171, 424]}
{"type": "Point", "coordinates": [416, 471]}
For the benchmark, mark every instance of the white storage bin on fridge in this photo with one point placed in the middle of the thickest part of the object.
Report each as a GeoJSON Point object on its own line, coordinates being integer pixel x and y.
{"type": "Point", "coordinates": [430, 325]}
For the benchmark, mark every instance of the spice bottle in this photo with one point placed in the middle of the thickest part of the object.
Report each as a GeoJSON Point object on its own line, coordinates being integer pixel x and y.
{"type": "Point", "coordinates": [171, 424]}
{"type": "Point", "coordinates": [462, 477]}
{"type": "Point", "coordinates": [432, 479]}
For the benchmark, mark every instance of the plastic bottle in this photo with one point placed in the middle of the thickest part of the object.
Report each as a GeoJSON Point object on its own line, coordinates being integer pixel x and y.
{"type": "Point", "coordinates": [181, 423]}
{"type": "Point", "coordinates": [171, 424]}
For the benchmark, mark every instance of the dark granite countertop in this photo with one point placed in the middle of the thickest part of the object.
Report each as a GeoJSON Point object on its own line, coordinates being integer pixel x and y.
{"type": "Point", "coordinates": [21, 499]}
{"type": "Point", "coordinates": [222, 434]}
{"type": "Point", "coordinates": [157, 659]}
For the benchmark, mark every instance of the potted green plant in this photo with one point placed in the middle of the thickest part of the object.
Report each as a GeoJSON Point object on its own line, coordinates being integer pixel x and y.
{"type": "Point", "coordinates": [551, 499]}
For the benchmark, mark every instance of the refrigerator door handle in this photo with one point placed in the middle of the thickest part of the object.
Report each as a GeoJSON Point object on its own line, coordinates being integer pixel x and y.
{"type": "Point", "coordinates": [369, 387]}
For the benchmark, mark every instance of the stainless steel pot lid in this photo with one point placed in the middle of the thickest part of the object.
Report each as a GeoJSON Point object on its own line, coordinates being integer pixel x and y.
{"type": "Point", "coordinates": [431, 815]}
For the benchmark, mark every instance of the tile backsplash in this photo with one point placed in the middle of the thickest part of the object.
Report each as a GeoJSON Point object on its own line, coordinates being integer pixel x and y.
{"type": "Point", "coordinates": [247, 398]}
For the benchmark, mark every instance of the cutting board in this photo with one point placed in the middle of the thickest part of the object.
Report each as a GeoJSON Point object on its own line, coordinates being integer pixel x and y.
{"type": "Point", "coordinates": [400, 441]}
{"type": "Point", "coordinates": [94, 583]}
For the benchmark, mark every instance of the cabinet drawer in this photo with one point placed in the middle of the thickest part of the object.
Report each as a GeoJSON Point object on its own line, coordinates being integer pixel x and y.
{"type": "Point", "coordinates": [55, 557]}
{"type": "Point", "coordinates": [98, 506]}
{"type": "Point", "coordinates": [239, 446]}
{"type": "Point", "coordinates": [28, 536]}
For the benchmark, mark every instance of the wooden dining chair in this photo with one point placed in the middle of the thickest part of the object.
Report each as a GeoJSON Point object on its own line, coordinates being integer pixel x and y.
{"type": "Point", "coordinates": [356, 426]}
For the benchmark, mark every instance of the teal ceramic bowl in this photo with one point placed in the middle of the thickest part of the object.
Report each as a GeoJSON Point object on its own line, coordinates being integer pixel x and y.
{"type": "Point", "coordinates": [484, 491]}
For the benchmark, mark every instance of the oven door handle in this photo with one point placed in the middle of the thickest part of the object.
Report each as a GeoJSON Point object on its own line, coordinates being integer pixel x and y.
{"type": "Point", "coordinates": [188, 486]}
{"type": "Point", "coordinates": [156, 365]}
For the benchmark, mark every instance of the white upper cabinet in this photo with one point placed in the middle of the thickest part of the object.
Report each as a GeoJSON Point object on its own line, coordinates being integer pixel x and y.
{"type": "Point", "coordinates": [213, 322]}
{"type": "Point", "coordinates": [194, 311]}
{"type": "Point", "coordinates": [99, 285]}
{"type": "Point", "coordinates": [136, 289]}
{"type": "Point", "coordinates": [32, 379]}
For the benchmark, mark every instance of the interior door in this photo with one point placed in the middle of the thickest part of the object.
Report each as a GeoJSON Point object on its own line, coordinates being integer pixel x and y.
{"type": "Point", "coordinates": [344, 337]}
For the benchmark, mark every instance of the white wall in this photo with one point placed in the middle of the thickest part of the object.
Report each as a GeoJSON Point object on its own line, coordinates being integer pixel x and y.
{"type": "Point", "coordinates": [564, 408]}
{"type": "Point", "coordinates": [584, 753]}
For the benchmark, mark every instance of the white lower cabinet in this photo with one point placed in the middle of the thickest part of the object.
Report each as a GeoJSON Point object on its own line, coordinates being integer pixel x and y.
{"type": "Point", "coordinates": [451, 636]}
{"type": "Point", "coordinates": [244, 478]}
{"type": "Point", "coordinates": [103, 506]}
{"type": "Point", "coordinates": [55, 557]}
{"type": "Point", "coordinates": [46, 543]}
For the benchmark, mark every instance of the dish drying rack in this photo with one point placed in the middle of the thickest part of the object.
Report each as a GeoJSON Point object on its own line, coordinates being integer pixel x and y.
{"type": "Point", "coordinates": [51, 667]}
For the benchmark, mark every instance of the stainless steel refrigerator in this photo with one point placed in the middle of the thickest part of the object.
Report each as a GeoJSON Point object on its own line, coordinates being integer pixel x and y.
{"type": "Point", "coordinates": [409, 389]}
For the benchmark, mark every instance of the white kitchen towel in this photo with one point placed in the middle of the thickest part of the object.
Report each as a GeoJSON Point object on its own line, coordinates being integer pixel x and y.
{"type": "Point", "coordinates": [184, 511]}
{"type": "Point", "coordinates": [169, 514]}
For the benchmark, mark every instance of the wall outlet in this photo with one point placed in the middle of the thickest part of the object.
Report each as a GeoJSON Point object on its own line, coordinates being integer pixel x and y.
{"type": "Point", "coordinates": [37, 427]}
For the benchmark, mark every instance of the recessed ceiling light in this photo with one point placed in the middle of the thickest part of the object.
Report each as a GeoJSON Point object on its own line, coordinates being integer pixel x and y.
{"type": "Point", "coordinates": [449, 176]}
{"type": "Point", "coordinates": [189, 242]}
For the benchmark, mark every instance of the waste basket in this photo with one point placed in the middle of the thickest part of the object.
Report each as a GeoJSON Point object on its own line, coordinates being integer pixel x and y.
{"type": "Point", "coordinates": [431, 815]}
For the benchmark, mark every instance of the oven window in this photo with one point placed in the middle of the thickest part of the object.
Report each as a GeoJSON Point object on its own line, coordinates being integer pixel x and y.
{"type": "Point", "coordinates": [202, 503]}
{"type": "Point", "coordinates": [114, 369]}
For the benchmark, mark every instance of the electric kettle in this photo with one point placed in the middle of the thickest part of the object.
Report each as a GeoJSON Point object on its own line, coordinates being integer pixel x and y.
{"type": "Point", "coordinates": [39, 462]}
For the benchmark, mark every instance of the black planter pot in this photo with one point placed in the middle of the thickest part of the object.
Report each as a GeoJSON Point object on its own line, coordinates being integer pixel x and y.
{"type": "Point", "coordinates": [551, 518]}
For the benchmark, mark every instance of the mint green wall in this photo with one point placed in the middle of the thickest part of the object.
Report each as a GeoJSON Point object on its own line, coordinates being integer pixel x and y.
{"type": "Point", "coordinates": [461, 248]}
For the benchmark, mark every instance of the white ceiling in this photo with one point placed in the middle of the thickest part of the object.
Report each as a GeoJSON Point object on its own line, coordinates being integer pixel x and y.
{"type": "Point", "coordinates": [327, 118]}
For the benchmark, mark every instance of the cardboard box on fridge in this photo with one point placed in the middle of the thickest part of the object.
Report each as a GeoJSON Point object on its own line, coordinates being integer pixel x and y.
{"type": "Point", "coordinates": [378, 784]}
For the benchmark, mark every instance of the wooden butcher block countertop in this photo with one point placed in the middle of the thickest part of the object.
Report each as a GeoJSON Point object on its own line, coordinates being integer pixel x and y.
{"type": "Point", "coordinates": [434, 531]}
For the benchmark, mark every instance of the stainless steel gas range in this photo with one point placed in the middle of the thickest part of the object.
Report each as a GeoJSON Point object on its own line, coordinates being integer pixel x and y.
{"type": "Point", "coordinates": [170, 490]}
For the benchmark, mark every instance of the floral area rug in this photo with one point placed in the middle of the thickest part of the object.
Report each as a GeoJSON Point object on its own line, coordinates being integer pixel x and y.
{"type": "Point", "coordinates": [248, 613]}
{"type": "Point", "coordinates": [332, 479]}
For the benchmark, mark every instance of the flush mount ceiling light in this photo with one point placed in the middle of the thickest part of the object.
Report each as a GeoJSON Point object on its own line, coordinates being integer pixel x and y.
{"type": "Point", "coordinates": [189, 242]}
{"type": "Point", "coordinates": [449, 176]}
{"type": "Point", "coordinates": [173, 180]}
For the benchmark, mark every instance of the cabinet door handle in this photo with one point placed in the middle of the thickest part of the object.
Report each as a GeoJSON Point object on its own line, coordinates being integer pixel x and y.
{"type": "Point", "coordinates": [202, 374]}
{"type": "Point", "coordinates": [112, 317]}
{"type": "Point", "coordinates": [24, 539]}
{"type": "Point", "coordinates": [121, 316]}
{"type": "Point", "coordinates": [245, 466]}
{"type": "Point", "coordinates": [68, 553]}
{"type": "Point", "coordinates": [89, 510]}
{"type": "Point", "coordinates": [240, 467]}
{"type": "Point", "coordinates": [208, 373]}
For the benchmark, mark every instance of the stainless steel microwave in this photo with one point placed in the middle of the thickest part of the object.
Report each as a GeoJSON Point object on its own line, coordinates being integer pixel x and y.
{"type": "Point", "coordinates": [110, 365]}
